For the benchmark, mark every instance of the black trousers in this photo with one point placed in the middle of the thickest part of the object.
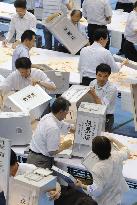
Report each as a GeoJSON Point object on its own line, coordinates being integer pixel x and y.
{"type": "Point", "coordinates": [130, 51]}
{"type": "Point", "coordinates": [91, 30]}
{"type": "Point", "coordinates": [2, 198]}
{"type": "Point", "coordinates": [109, 122]}
{"type": "Point", "coordinates": [86, 81]}
{"type": "Point", "coordinates": [127, 7]}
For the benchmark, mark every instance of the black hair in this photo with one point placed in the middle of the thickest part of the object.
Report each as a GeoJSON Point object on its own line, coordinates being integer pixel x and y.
{"type": "Point", "coordinates": [20, 4]}
{"type": "Point", "coordinates": [101, 146]}
{"type": "Point", "coordinates": [100, 33]}
{"type": "Point", "coordinates": [60, 104]}
{"type": "Point", "coordinates": [86, 201]}
{"type": "Point", "coordinates": [135, 5]}
{"type": "Point", "coordinates": [13, 158]}
{"type": "Point", "coordinates": [104, 68]}
{"type": "Point", "coordinates": [28, 34]}
{"type": "Point", "coordinates": [75, 11]}
{"type": "Point", "coordinates": [23, 62]}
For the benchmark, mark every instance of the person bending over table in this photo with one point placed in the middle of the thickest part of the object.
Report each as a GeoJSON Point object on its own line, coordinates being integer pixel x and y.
{"type": "Point", "coordinates": [94, 55]}
{"type": "Point", "coordinates": [24, 76]}
{"type": "Point", "coordinates": [130, 45]}
{"type": "Point", "coordinates": [108, 181]}
{"type": "Point", "coordinates": [105, 93]}
{"type": "Point", "coordinates": [45, 143]}
{"type": "Point", "coordinates": [20, 22]}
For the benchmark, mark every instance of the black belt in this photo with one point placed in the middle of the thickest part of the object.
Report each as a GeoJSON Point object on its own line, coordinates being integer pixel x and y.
{"type": "Point", "coordinates": [109, 115]}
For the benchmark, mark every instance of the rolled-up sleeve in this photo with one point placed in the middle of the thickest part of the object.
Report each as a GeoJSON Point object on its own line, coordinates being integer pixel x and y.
{"type": "Point", "coordinates": [43, 77]}
{"type": "Point", "coordinates": [111, 62]}
{"type": "Point", "coordinates": [11, 30]}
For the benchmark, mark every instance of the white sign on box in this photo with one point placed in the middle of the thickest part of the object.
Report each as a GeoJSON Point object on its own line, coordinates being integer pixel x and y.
{"type": "Point", "coordinates": [67, 34]}
{"type": "Point", "coordinates": [32, 99]}
{"type": "Point", "coordinates": [19, 127]}
{"type": "Point", "coordinates": [90, 122]}
{"type": "Point", "coordinates": [75, 95]}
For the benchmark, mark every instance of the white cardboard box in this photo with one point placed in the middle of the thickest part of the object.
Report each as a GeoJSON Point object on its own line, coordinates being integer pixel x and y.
{"type": "Point", "coordinates": [18, 127]}
{"type": "Point", "coordinates": [67, 34]}
{"type": "Point", "coordinates": [126, 100]}
{"type": "Point", "coordinates": [90, 123]}
{"type": "Point", "coordinates": [32, 99]}
{"type": "Point", "coordinates": [31, 189]}
{"type": "Point", "coordinates": [76, 94]}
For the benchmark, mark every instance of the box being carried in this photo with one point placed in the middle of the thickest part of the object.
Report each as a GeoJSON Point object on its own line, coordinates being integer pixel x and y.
{"type": "Point", "coordinates": [18, 125]}
{"type": "Point", "coordinates": [76, 94]}
{"type": "Point", "coordinates": [90, 122]}
{"type": "Point", "coordinates": [32, 99]}
{"type": "Point", "coordinates": [67, 34]}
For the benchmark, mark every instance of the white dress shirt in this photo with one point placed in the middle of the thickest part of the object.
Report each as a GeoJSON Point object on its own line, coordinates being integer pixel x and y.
{"type": "Point", "coordinates": [92, 56]}
{"type": "Point", "coordinates": [107, 94]}
{"type": "Point", "coordinates": [15, 81]}
{"type": "Point", "coordinates": [96, 11]}
{"type": "Point", "coordinates": [108, 181]}
{"type": "Point", "coordinates": [131, 27]}
{"type": "Point", "coordinates": [20, 51]}
{"type": "Point", "coordinates": [18, 25]}
{"type": "Point", "coordinates": [53, 6]}
{"type": "Point", "coordinates": [46, 137]}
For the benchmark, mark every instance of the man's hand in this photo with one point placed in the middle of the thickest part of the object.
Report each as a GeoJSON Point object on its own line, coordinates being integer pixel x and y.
{"type": "Point", "coordinates": [54, 194]}
{"type": "Point", "coordinates": [51, 17]}
{"type": "Point", "coordinates": [34, 82]}
{"type": "Point", "coordinates": [92, 92]}
{"type": "Point", "coordinates": [78, 183]}
{"type": "Point", "coordinates": [4, 43]}
{"type": "Point", "coordinates": [66, 144]}
{"type": "Point", "coordinates": [15, 44]}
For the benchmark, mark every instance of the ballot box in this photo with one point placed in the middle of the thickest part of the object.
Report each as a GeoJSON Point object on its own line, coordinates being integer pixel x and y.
{"type": "Point", "coordinates": [18, 127]}
{"type": "Point", "coordinates": [67, 34]}
{"type": "Point", "coordinates": [90, 122]}
{"type": "Point", "coordinates": [75, 95]}
{"type": "Point", "coordinates": [31, 188]}
{"type": "Point", "coordinates": [32, 99]}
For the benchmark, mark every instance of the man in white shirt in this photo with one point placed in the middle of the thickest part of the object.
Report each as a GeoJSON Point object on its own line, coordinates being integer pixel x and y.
{"type": "Point", "coordinates": [105, 93]}
{"type": "Point", "coordinates": [24, 76]}
{"type": "Point", "coordinates": [22, 50]}
{"type": "Point", "coordinates": [45, 143]}
{"type": "Point", "coordinates": [94, 55]}
{"type": "Point", "coordinates": [130, 45]}
{"type": "Point", "coordinates": [50, 7]}
{"type": "Point", "coordinates": [98, 14]}
{"type": "Point", "coordinates": [20, 22]}
{"type": "Point", "coordinates": [108, 181]}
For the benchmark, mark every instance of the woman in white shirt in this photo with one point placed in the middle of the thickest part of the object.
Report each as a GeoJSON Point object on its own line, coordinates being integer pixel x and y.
{"type": "Point", "coordinates": [130, 45]}
{"type": "Point", "coordinates": [108, 181]}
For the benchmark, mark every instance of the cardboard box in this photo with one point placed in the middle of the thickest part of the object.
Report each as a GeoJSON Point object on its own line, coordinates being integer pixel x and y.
{"type": "Point", "coordinates": [32, 99]}
{"type": "Point", "coordinates": [76, 94]}
{"type": "Point", "coordinates": [18, 127]}
{"type": "Point", "coordinates": [67, 34]}
{"type": "Point", "coordinates": [90, 122]}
